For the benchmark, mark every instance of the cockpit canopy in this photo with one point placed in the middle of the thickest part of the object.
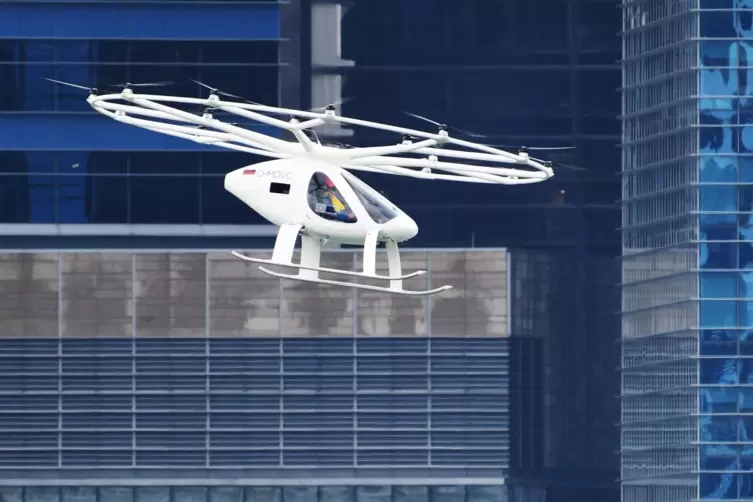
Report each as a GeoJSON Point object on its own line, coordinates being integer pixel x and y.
{"type": "Point", "coordinates": [326, 201]}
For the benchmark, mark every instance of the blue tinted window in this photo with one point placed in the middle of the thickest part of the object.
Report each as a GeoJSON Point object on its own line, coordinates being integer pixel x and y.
{"type": "Point", "coordinates": [718, 314]}
{"type": "Point", "coordinates": [718, 486]}
{"type": "Point", "coordinates": [718, 400]}
{"type": "Point", "coordinates": [719, 255]}
{"type": "Point", "coordinates": [720, 372]}
{"type": "Point", "coordinates": [718, 342]}
{"type": "Point", "coordinates": [718, 429]}
{"type": "Point", "coordinates": [719, 285]}
{"type": "Point", "coordinates": [141, 21]}
{"type": "Point", "coordinates": [719, 169]}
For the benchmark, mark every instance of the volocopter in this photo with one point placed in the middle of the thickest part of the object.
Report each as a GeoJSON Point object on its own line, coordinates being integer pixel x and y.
{"type": "Point", "coordinates": [307, 190]}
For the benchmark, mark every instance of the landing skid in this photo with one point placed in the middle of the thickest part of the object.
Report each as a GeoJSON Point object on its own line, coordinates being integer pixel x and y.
{"type": "Point", "coordinates": [309, 269]}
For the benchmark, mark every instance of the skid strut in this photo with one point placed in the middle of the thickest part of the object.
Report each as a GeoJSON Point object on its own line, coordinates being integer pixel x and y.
{"type": "Point", "coordinates": [309, 267]}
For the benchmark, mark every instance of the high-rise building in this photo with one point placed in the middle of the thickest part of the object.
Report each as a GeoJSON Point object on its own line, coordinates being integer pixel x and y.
{"type": "Point", "coordinates": [687, 176]}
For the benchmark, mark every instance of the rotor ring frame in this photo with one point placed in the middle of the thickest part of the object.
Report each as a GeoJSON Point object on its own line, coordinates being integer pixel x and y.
{"type": "Point", "coordinates": [151, 107]}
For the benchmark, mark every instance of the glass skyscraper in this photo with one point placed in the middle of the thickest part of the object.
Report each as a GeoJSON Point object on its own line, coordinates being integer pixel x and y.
{"type": "Point", "coordinates": [687, 399]}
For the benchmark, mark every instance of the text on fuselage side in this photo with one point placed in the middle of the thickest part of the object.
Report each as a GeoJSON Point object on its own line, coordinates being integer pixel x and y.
{"type": "Point", "coordinates": [277, 175]}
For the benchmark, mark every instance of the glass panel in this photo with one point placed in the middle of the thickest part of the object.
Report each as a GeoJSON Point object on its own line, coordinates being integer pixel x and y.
{"type": "Point", "coordinates": [718, 314]}
{"type": "Point", "coordinates": [79, 494]}
{"type": "Point", "coordinates": [718, 342]}
{"type": "Point", "coordinates": [486, 494]}
{"type": "Point", "coordinates": [165, 199]}
{"type": "Point", "coordinates": [189, 494]}
{"type": "Point", "coordinates": [152, 494]}
{"type": "Point", "coordinates": [325, 200]}
{"type": "Point", "coordinates": [337, 493]}
{"type": "Point", "coordinates": [720, 371]}
{"type": "Point", "coordinates": [265, 494]}
{"type": "Point", "coordinates": [374, 494]}
{"type": "Point", "coordinates": [116, 494]}
{"type": "Point", "coordinates": [300, 494]}
{"type": "Point", "coordinates": [107, 199]}
{"type": "Point", "coordinates": [11, 494]}
{"type": "Point", "coordinates": [447, 494]}
{"type": "Point", "coordinates": [719, 198]}
{"type": "Point", "coordinates": [379, 208]}
{"type": "Point", "coordinates": [718, 486]}
{"type": "Point", "coordinates": [718, 255]}
{"type": "Point", "coordinates": [410, 494]}
{"type": "Point", "coordinates": [718, 400]}
{"type": "Point", "coordinates": [226, 494]}
{"type": "Point", "coordinates": [42, 494]}
{"type": "Point", "coordinates": [718, 429]}
{"type": "Point", "coordinates": [719, 285]}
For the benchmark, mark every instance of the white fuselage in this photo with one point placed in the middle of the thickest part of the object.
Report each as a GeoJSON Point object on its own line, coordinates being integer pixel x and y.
{"type": "Point", "coordinates": [326, 200]}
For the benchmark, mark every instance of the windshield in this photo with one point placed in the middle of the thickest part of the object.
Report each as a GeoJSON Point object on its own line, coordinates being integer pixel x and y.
{"type": "Point", "coordinates": [379, 208]}
{"type": "Point", "coordinates": [326, 200]}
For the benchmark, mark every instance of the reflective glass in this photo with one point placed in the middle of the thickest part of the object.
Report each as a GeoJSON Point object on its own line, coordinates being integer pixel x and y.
{"type": "Point", "coordinates": [485, 493]}
{"type": "Point", "coordinates": [719, 169]}
{"type": "Point", "coordinates": [374, 494]}
{"type": "Point", "coordinates": [410, 494]}
{"type": "Point", "coordinates": [152, 494]}
{"type": "Point", "coordinates": [719, 284]}
{"type": "Point", "coordinates": [337, 493]}
{"type": "Point", "coordinates": [718, 255]}
{"type": "Point", "coordinates": [189, 494]}
{"type": "Point", "coordinates": [268, 494]}
{"type": "Point", "coordinates": [718, 400]}
{"type": "Point", "coordinates": [746, 342]}
{"type": "Point", "coordinates": [720, 372]}
{"type": "Point", "coordinates": [300, 494]}
{"type": "Point", "coordinates": [116, 494]}
{"type": "Point", "coordinates": [719, 457]}
{"type": "Point", "coordinates": [42, 494]}
{"type": "Point", "coordinates": [226, 494]}
{"type": "Point", "coordinates": [718, 429]}
{"type": "Point", "coordinates": [164, 199]}
{"type": "Point", "coordinates": [718, 342]}
{"type": "Point", "coordinates": [718, 486]}
{"type": "Point", "coordinates": [379, 209]}
{"type": "Point", "coordinates": [326, 201]}
{"type": "Point", "coordinates": [11, 494]}
{"type": "Point", "coordinates": [718, 314]}
{"type": "Point", "coordinates": [448, 494]}
{"type": "Point", "coordinates": [79, 494]}
{"type": "Point", "coordinates": [745, 313]}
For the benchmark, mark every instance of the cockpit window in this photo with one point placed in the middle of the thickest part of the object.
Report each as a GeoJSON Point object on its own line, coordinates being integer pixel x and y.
{"type": "Point", "coordinates": [378, 207]}
{"type": "Point", "coordinates": [327, 201]}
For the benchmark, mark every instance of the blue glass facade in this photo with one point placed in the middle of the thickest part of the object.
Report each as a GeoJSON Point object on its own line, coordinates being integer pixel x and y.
{"type": "Point", "coordinates": [61, 162]}
{"type": "Point", "coordinates": [687, 250]}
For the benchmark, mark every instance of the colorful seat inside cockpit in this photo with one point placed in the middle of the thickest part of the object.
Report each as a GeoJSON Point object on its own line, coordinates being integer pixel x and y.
{"type": "Point", "coordinates": [326, 201]}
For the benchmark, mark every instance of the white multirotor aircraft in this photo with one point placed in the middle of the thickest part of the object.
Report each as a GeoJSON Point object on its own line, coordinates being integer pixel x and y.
{"type": "Point", "coordinates": [307, 189]}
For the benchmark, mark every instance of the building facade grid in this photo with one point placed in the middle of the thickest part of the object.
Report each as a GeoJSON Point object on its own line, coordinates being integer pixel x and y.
{"type": "Point", "coordinates": [687, 251]}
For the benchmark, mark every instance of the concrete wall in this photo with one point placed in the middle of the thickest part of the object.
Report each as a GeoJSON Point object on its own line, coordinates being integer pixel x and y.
{"type": "Point", "coordinates": [108, 294]}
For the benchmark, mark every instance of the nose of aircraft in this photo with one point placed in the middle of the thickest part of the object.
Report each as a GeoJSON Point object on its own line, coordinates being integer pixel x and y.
{"type": "Point", "coordinates": [401, 228]}
{"type": "Point", "coordinates": [232, 180]}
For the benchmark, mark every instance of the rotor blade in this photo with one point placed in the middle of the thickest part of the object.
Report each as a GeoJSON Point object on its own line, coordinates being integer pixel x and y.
{"type": "Point", "coordinates": [68, 84]}
{"type": "Point", "coordinates": [336, 103]}
{"type": "Point", "coordinates": [223, 93]}
{"type": "Point", "coordinates": [144, 84]}
{"type": "Point", "coordinates": [569, 167]}
{"type": "Point", "coordinates": [539, 148]}
{"type": "Point", "coordinates": [419, 117]}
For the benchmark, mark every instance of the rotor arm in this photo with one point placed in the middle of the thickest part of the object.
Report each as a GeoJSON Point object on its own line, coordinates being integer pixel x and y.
{"type": "Point", "coordinates": [259, 139]}
{"type": "Point", "coordinates": [431, 164]}
{"type": "Point", "coordinates": [357, 153]}
{"type": "Point", "coordinates": [271, 121]}
{"type": "Point", "coordinates": [307, 125]}
{"type": "Point", "coordinates": [137, 110]}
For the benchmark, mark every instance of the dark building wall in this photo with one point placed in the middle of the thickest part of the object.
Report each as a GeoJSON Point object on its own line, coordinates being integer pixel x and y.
{"type": "Point", "coordinates": [535, 73]}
